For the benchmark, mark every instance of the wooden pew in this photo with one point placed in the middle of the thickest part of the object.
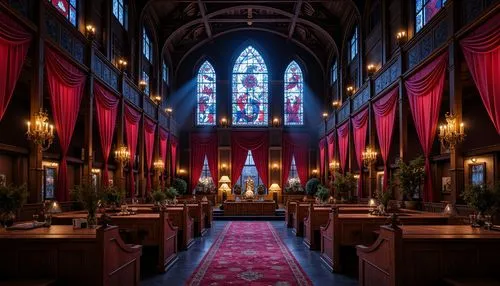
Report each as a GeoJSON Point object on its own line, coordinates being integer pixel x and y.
{"type": "Point", "coordinates": [317, 216]}
{"type": "Point", "coordinates": [349, 230]}
{"type": "Point", "coordinates": [424, 255]}
{"type": "Point", "coordinates": [70, 256]}
{"type": "Point", "coordinates": [181, 219]}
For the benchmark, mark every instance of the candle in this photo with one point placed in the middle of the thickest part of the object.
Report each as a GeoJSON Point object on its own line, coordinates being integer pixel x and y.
{"type": "Point", "coordinates": [29, 127]}
{"type": "Point", "coordinates": [51, 129]}
{"type": "Point", "coordinates": [461, 128]}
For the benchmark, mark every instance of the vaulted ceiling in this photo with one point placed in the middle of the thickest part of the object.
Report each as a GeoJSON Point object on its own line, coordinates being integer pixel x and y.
{"type": "Point", "coordinates": [316, 26]}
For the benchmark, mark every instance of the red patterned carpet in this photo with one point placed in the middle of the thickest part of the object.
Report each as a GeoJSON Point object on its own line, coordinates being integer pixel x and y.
{"type": "Point", "coordinates": [249, 253]}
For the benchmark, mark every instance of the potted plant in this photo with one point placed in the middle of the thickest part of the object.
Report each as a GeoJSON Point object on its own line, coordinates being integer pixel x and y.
{"type": "Point", "coordinates": [261, 189]}
{"type": "Point", "coordinates": [12, 198]}
{"type": "Point", "coordinates": [410, 179]}
{"type": "Point", "coordinates": [158, 197]}
{"type": "Point", "coordinates": [88, 196]}
{"type": "Point", "coordinates": [180, 185]}
{"type": "Point", "coordinates": [171, 194]}
{"type": "Point", "coordinates": [482, 198]}
{"type": "Point", "coordinates": [323, 193]}
{"type": "Point", "coordinates": [312, 186]}
{"type": "Point", "coordinates": [293, 186]}
{"type": "Point", "coordinates": [237, 190]}
{"type": "Point", "coordinates": [113, 196]}
{"type": "Point", "coordinates": [344, 185]}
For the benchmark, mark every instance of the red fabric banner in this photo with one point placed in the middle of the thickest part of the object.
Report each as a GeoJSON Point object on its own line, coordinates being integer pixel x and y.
{"type": "Point", "coordinates": [360, 126]}
{"type": "Point", "coordinates": [385, 113]}
{"type": "Point", "coordinates": [255, 141]}
{"type": "Point", "coordinates": [297, 146]}
{"type": "Point", "coordinates": [331, 147]}
{"type": "Point", "coordinates": [173, 153]}
{"type": "Point", "coordinates": [343, 142]}
{"type": "Point", "coordinates": [203, 144]}
{"type": "Point", "coordinates": [482, 53]}
{"type": "Point", "coordinates": [14, 44]}
{"type": "Point", "coordinates": [425, 90]}
{"type": "Point", "coordinates": [107, 108]}
{"type": "Point", "coordinates": [132, 118]}
{"type": "Point", "coordinates": [322, 148]}
{"type": "Point", "coordinates": [163, 149]}
{"type": "Point", "coordinates": [149, 141]}
{"type": "Point", "coordinates": [66, 84]}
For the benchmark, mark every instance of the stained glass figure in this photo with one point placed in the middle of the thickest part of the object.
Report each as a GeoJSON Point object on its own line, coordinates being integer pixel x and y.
{"type": "Point", "coordinates": [250, 89]}
{"type": "Point", "coordinates": [294, 95]}
{"type": "Point", "coordinates": [67, 8]}
{"type": "Point", "coordinates": [206, 95]}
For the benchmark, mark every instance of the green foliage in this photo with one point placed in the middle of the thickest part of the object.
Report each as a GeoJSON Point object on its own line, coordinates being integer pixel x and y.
{"type": "Point", "coordinates": [411, 177]}
{"type": "Point", "coordinates": [344, 185]}
{"type": "Point", "coordinates": [323, 193]}
{"type": "Point", "coordinates": [170, 193]}
{"type": "Point", "coordinates": [385, 197]}
{"type": "Point", "coordinates": [88, 196]}
{"type": "Point", "coordinates": [113, 194]}
{"type": "Point", "coordinates": [482, 198]}
{"type": "Point", "coordinates": [237, 189]}
{"type": "Point", "coordinates": [180, 185]}
{"type": "Point", "coordinates": [158, 195]}
{"type": "Point", "coordinates": [12, 198]}
{"type": "Point", "coordinates": [293, 186]}
{"type": "Point", "coordinates": [312, 186]}
{"type": "Point", "coordinates": [261, 189]}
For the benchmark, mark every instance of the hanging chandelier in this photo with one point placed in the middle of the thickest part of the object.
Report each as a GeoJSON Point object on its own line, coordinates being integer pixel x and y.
{"type": "Point", "coordinates": [42, 132]}
{"type": "Point", "coordinates": [369, 156]}
{"type": "Point", "coordinates": [159, 165]}
{"type": "Point", "coordinates": [122, 155]}
{"type": "Point", "coordinates": [334, 165]}
{"type": "Point", "coordinates": [451, 133]}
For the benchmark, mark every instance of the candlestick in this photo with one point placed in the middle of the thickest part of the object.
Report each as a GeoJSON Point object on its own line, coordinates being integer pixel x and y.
{"type": "Point", "coordinates": [51, 129]}
{"type": "Point", "coordinates": [461, 128]}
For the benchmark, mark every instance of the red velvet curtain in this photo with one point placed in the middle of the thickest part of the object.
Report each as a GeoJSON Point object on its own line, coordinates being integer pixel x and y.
{"type": "Point", "coordinates": [296, 146]}
{"type": "Point", "coordinates": [482, 53]}
{"type": "Point", "coordinates": [331, 147]}
{"type": "Point", "coordinates": [132, 118]}
{"type": "Point", "coordinates": [322, 153]}
{"type": "Point", "coordinates": [149, 141]}
{"type": "Point", "coordinates": [385, 113]}
{"type": "Point", "coordinates": [425, 90]}
{"type": "Point", "coordinates": [14, 44]}
{"type": "Point", "coordinates": [257, 142]}
{"type": "Point", "coordinates": [107, 108]}
{"type": "Point", "coordinates": [173, 154]}
{"type": "Point", "coordinates": [343, 139]}
{"type": "Point", "coordinates": [66, 84]}
{"type": "Point", "coordinates": [203, 144]}
{"type": "Point", "coordinates": [360, 126]}
{"type": "Point", "coordinates": [163, 149]}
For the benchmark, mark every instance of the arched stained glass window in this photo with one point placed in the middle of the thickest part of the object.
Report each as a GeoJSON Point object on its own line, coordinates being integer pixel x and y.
{"type": "Point", "coordinates": [294, 95]}
{"type": "Point", "coordinates": [206, 95]}
{"type": "Point", "coordinates": [250, 89]}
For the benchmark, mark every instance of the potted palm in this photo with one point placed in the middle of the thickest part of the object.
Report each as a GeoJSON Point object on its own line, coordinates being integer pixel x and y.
{"type": "Point", "coordinates": [344, 185]}
{"type": "Point", "coordinates": [410, 179]}
{"type": "Point", "coordinates": [12, 198]}
{"type": "Point", "coordinates": [88, 196]}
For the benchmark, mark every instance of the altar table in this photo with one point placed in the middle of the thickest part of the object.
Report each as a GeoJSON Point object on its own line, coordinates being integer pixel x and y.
{"type": "Point", "coordinates": [249, 208]}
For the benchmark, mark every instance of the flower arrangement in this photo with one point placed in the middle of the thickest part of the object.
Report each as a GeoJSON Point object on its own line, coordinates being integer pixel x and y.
{"type": "Point", "coordinates": [323, 193]}
{"type": "Point", "coordinates": [293, 186]}
{"type": "Point", "coordinates": [344, 185]}
{"type": "Point", "coordinates": [237, 189]}
{"type": "Point", "coordinates": [113, 195]}
{"type": "Point", "coordinates": [261, 189]}
{"type": "Point", "coordinates": [158, 196]}
{"type": "Point", "coordinates": [171, 193]}
{"type": "Point", "coordinates": [90, 198]}
{"type": "Point", "coordinates": [411, 177]}
{"type": "Point", "coordinates": [205, 186]}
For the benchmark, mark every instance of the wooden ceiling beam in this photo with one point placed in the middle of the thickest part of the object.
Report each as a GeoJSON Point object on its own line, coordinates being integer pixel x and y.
{"type": "Point", "coordinates": [298, 6]}
{"type": "Point", "coordinates": [205, 19]}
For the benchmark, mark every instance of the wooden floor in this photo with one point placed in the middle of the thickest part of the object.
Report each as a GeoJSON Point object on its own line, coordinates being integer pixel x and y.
{"type": "Point", "coordinates": [310, 261]}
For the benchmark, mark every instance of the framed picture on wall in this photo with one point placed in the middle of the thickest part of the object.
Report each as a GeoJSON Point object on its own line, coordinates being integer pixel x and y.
{"type": "Point", "coordinates": [3, 180]}
{"type": "Point", "coordinates": [446, 185]}
{"type": "Point", "coordinates": [477, 174]}
{"type": "Point", "coordinates": [380, 181]}
{"type": "Point", "coordinates": [49, 179]}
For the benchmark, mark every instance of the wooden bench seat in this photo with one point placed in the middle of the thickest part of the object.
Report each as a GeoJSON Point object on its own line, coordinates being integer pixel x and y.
{"type": "Point", "coordinates": [37, 282]}
{"type": "Point", "coordinates": [471, 281]}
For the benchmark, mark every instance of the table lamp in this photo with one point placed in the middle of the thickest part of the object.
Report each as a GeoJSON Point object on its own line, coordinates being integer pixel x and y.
{"type": "Point", "coordinates": [225, 188]}
{"type": "Point", "coordinates": [224, 180]}
{"type": "Point", "coordinates": [274, 188]}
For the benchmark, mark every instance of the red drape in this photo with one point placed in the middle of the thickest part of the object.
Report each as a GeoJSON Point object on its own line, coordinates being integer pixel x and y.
{"type": "Point", "coordinates": [322, 153]}
{"type": "Point", "coordinates": [482, 53]}
{"type": "Point", "coordinates": [66, 84]}
{"type": "Point", "coordinates": [14, 44]}
{"type": "Point", "coordinates": [132, 118]}
{"type": "Point", "coordinates": [425, 90]}
{"type": "Point", "coordinates": [107, 108]}
{"type": "Point", "coordinates": [296, 146]}
{"type": "Point", "coordinates": [203, 144]}
{"type": "Point", "coordinates": [173, 153]}
{"type": "Point", "coordinates": [331, 147]}
{"type": "Point", "coordinates": [343, 139]}
{"type": "Point", "coordinates": [257, 142]}
{"type": "Point", "coordinates": [385, 113]}
{"type": "Point", "coordinates": [360, 126]}
{"type": "Point", "coordinates": [163, 149]}
{"type": "Point", "coordinates": [149, 141]}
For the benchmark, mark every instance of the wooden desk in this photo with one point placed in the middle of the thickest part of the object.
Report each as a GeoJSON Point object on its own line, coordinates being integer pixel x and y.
{"type": "Point", "coordinates": [246, 208]}
{"type": "Point", "coordinates": [71, 256]}
{"type": "Point", "coordinates": [349, 230]}
{"type": "Point", "coordinates": [424, 255]}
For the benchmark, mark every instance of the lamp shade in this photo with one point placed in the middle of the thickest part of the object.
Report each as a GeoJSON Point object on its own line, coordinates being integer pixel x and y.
{"type": "Point", "coordinates": [275, 188]}
{"type": "Point", "coordinates": [225, 179]}
{"type": "Point", "coordinates": [225, 188]}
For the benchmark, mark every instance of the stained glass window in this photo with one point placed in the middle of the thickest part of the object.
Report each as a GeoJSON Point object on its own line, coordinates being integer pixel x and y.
{"type": "Point", "coordinates": [120, 12]}
{"type": "Point", "coordinates": [250, 89]}
{"type": "Point", "coordinates": [334, 72]}
{"type": "Point", "coordinates": [294, 95]}
{"type": "Point", "coordinates": [353, 44]}
{"type": "Point", "coordinates": [147, 48]}
{"type": "Point", "coordinates": [164, 72]}
{"type": "Point", "coordinates": [145, 77]}
{"type": "Point", "coordinates": [249, 171]}
{"type": "Point", "coordinates": [206, 95]}
{"type": "Point", "coordinates": [425, 10]}
{"type": "Point", "coordinates": [294, 174]}
{"type": "Point", "coordinates": [67, 8]}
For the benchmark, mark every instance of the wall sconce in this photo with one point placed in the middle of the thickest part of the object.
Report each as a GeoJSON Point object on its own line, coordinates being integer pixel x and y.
{"type": "Point", "coordinates": [369, 156]}
{"type": "Point", "coordinates": [401, 37]}
{"type": "Point", "coordinates": [156, 99]}
{"type": "Point", "coordinates": [371, 69]}
{"type": "Point", "coordinates": [334, 166]}
{"type": "Point", "coordinates": [325, 116]}
{"type": "Point", "coordinates": [168, 111]}
{"type": "Point", "coordinates": [42, 132]}
{"type": "Point", "coordinates": [182, 171]}
{"type": "Point", "coordinates": [159, 165]}
{"type": "Point", "coordinates": [122, 64]}
{"type": "Point", "coordinates": [142, 85]}
{"type": "Point", "coordinates": [90, 29]}
{"type": "Point", "coordinates": [350, 90]}
{"type": "Point", "coordinates": [275, 166]}
{"type": "Point", "coordinates": [356, 176]}
{"type": "Point", "coordinates": [223, 166]}
{"type": "Point", "coordinates": [224, 122]}
{"type": "Point", "coordinates": [50, 164]}
{"type": "Point", "coordinates": [96, 171]}
{"type": "Point", "coordinates": [122, 155]}
{"type": "Point", "coordinates": [276, 122]}
{"type": "Point", "coordinates": [473, 160]}
{"type": "Point", "coordinates": [315, 172]}
{"type": "Point", "coordinates": [335, 103]}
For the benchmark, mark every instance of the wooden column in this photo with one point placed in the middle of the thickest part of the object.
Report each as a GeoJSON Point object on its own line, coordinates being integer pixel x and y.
{"type": "Point", "coordinates": [156, 155]}
{"type": "Point", "coordinates": [142, 160]}
{"type": "Point", "coordinates": [372, 137]}
{"type": "Point", "coordinates": [87, 109]}
{"type": "Point", "coordinates": [119, 177]}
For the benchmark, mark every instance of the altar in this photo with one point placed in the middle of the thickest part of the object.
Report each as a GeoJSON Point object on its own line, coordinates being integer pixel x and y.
{"type": "Point", "coordinates": [249, 208]}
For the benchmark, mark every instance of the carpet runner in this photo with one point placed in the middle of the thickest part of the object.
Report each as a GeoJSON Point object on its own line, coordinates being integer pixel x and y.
{"type": "Point", "coordinates": [249, 253]}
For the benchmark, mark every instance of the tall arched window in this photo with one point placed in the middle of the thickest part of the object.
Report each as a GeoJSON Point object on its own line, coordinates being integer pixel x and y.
{"type": "Point", "coordinates": [206, 95]}
{"type": "Point", "coordinates": [294, 95]}
{"type": "Point", "coordinates": [250, 89]}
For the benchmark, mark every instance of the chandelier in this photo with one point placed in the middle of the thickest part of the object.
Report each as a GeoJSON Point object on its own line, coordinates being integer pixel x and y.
{"type": "Point", "coordinates": [122, 155]}
{"type": "Point", "coordinates": [158, 165]}
{"type": "Point", "coordinates": [451, 133]}
{"type": "Point", "coordinates": [41, 133]}
{"type": "Point", "coordinates": [369, 156]}
{"type": "Point", "coordinates": [334, 165]}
